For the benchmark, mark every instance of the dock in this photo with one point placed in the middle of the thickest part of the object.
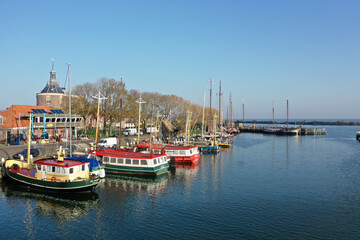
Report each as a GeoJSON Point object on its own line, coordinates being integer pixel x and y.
{"type": "Point", "coordinates": [303, 131]}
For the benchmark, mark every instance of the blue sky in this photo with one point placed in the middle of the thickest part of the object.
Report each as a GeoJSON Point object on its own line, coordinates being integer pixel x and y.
{"type": "Point", "coordinates": [307, 51]}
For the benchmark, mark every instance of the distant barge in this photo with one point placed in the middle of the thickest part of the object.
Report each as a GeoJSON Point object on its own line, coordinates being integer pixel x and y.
{"type": "Point", "coordinates": [303, 131]}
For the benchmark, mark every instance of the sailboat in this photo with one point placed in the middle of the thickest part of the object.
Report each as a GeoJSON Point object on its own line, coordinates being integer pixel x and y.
{"type": "Point", "coordinates": [213, 146]}
{"type": "Point", "coordinates": [273, 129]}
{"type": "Point", "coordinates": [292, 131]}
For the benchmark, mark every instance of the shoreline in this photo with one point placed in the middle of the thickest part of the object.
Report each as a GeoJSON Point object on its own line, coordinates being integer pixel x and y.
{"type": "Point", "coordinates": [304, 122]}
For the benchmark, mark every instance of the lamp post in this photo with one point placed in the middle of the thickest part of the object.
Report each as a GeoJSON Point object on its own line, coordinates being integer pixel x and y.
{"type": "Point", "coordinates": [140, 101]}
{"type": "Point", "coordinates": [99, 97]}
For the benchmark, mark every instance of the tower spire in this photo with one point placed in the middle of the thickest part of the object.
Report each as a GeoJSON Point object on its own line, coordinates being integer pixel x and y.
{"type": "Point", "coordinates": [52, 73]}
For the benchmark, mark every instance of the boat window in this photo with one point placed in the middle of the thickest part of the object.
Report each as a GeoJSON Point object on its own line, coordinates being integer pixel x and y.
{"type": "Point", "coordinates": [48, 168]}
{"type": "Point", "coordinates": [63, 170]}
{"type": "Point", "coordinates": [105, 159]}
{"type": "Point", "coordinates": [136, 162]}
{"type": "Point", "coordinates": [128, 161]}
{"type": "Point", "coordinates": [39, 167]}
{"type": "Point", "coordinates": [169, 152]}
{"type": "Point", "coordinates": [71, 170]}
{"type": "Point", "coordinates": [182, 152]}
{"type": "Point", "coordinates": [164, 159]}
{"type": "Point", "coordinates": [53, 169]}
{"type": "Point", "coordinates": [120, 160]}
{"type": "Point", "coordinates": [57, 169]}
{"type": "Point", "coordinates": [155, 161]}
{"type": "Point", "coordinates": [113, 160]}
{"type": "Point", "coordinates": [176, 152]}
{"type": "Point", "coordinates": [158, 151]}
{"type": "Point", "coordinates": [77, 169]}
{"type": "Point", "coordinates": [190, 151]}
{"type": "Point", "coordinates": [143, 162]}
{"type": "Point", "coordinates": [83, 167]}
{"type": "Point", "coordinates": [44, 168]}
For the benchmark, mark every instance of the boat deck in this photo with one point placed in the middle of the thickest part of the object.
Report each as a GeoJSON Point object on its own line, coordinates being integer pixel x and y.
{"type": "Point", "coordinates": [25, 171]}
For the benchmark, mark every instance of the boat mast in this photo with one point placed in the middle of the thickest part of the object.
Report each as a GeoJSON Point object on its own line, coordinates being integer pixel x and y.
{"type": "Point", "coordinates": [214, 130]}
{"type": "Point", "coordinates": [231, 112]}
{"type": "Point", "coordinates": [243, 108]}
{"type": "Point", "coordinates": [287, 113]}
{"type": "Point", "coordinates": [152, 123]}
{"type": "Point", "coordinates": [99, 97]}
{"type": "Point", "coordinates": [203, 118]}
{"type": "Point", "coordinates": [187, 128]}
{"type": "Point", "coordinates": [211, 82]}
{"type": "Point", "coordinates": [140, 101]}
{"type": "Point", "coordinates": [29, 142]}
{"type": "Point", "coordinates": [120, 123]}
{"type": "Point", "coordinates": [70, 129]}
{"type": "Point", "coordinates": [220, 93]}
{"type": "Point", "coordinates": [273, 113]}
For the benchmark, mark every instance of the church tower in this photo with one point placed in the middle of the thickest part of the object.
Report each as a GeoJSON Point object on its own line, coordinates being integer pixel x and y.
{"type": "Point", "coordinates": [52, 94]}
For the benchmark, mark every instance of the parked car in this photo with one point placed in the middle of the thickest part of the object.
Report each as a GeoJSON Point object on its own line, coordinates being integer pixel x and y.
{"type": "Point", "coordinates": [130, 132]}
{"type": "Point", "coordinates": [108, 142]}
{"type": "Point", "coordinates": [33, 151]}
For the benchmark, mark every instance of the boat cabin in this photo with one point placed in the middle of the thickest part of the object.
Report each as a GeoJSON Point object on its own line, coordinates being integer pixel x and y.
{"type": "Point", "coordinates": [57, 171]}
{"type": "Point", "coordinates": [170, 150]}
{"type": "Point", "coordinates": [131, 159]}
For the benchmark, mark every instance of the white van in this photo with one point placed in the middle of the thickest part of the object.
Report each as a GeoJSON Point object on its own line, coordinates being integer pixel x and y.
{"type": "Point", "coordinates": [108, 142]}
{"type": "Point", "coordinates": [130, 131]}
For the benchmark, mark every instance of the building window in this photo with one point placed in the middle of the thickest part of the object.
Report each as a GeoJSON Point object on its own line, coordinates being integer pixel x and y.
{"type": "Point", "coordinates": [48, 101]}
{"type": "Point", "coordinates": [1, 120]}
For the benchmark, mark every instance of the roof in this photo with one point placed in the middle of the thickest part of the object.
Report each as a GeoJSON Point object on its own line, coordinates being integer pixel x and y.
{"type": "Point", "coordinates": [52, 87]}
{"type": "Point", "coordinates": [108, 152]}
{"type": "Point", "coordinates": [165, 147]}
{"type": "Point", "coordinates": [11, 115]}
{"type": "Point", "coordinates": [66, 163]}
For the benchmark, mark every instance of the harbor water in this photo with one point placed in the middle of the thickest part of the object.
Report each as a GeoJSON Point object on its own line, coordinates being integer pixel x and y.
{"type": "Point", "coordinates": [264, 187]}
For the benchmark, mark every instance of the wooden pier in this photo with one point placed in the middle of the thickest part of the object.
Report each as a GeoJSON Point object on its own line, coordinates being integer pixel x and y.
{"type": "Point", "coordinates": [302, 132]}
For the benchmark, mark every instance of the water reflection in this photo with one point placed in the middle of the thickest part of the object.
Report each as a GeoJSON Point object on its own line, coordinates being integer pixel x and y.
{"type": "Point", "coordinates": [186, 171]}
{"type": "Point", "coordinates": [58, 207]}
{"type": "Point", "coordinates": [136, 184]}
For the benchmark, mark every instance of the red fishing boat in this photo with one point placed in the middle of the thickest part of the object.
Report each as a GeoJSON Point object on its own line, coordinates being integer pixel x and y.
{"type": "Point", "coordinates": [179, 154]}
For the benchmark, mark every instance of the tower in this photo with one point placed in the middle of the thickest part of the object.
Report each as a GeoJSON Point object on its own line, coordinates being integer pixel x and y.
{"type": "Point", "coordinates": [52, 94]}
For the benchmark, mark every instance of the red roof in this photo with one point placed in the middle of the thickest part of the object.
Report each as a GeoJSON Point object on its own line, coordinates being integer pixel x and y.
{"type": "Point", "coordinates": [11, 115]}
{"type": "Point", "coordinates": [54, 162]}
{"type": "Point", "coordinates": [165, 147]}
{"type": "Point", "coordinates": [125, 154]}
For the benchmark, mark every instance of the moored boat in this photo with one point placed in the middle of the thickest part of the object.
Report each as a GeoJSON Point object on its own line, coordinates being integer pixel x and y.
{"type": "Point", "coordinates": [52, 174]}
{"type": "Point", "coordinates": [131, 163]}
{"type": "Point", "coordinates": [211, 148]}
{"type": "Point", "coordinates": [179, 154]}
{"type": "Point", "coordinates": [59, 174]}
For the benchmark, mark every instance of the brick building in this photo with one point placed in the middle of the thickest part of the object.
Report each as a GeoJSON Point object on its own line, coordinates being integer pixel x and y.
{"type": "Point", "coordinates": [16, 118]}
